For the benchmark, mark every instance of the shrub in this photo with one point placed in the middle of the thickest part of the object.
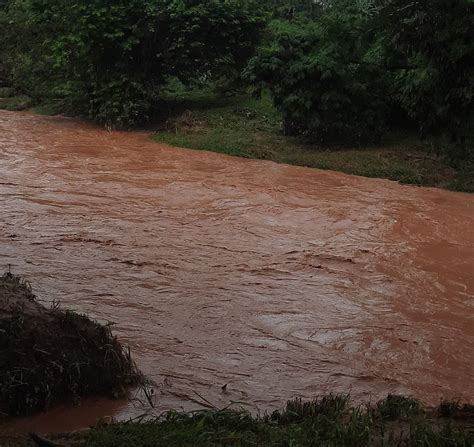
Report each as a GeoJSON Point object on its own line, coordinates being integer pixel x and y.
{"type": "Point", "coordinates": [323, 77]}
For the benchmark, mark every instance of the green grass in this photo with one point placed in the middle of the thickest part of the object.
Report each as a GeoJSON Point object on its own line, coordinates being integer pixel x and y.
{"type": "Point", "coordinates": [50, 108]}
{"type": "Point", "coordinates": [246, 127]}
{"type": "Point", "coordinates": [15, 103]}
{"type": "Point", "coordinates": [12, 100]}
{"type": "Point", "coordinates": [328, 421]}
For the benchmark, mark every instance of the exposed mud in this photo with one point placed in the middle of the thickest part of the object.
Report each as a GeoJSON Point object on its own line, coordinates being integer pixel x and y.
{"type": "Point", "coordinates": [276, 280]}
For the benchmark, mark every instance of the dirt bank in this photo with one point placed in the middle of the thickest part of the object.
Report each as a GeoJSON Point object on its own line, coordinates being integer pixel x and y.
{"type": "Point", "coordinates": [51, 356]}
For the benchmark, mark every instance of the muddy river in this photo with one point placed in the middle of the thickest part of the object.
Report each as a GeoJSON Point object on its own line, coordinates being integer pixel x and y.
{"type": "Point", "coordinates": [276, 280]}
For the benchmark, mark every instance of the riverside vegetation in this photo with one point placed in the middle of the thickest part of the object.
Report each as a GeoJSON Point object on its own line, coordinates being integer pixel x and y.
{"type": "Point", "coordinates": [53, 356]}
{"type": "Point", "coordinates": [243, 126]}
{"type": "Point", "coordinates": [343, 82]}
{"type": "Point", "coordinates": [328, 421]}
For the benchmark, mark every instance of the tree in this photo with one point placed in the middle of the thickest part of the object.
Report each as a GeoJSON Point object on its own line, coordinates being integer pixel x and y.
{"type": "Point", "coordinates": [324, 75]}
{"type": "Point", "coordinates": [431, 40]}
{"type": "Point", "coordinates": [344, 73]}
{"type": "Point", "coordinates": [111, 58]}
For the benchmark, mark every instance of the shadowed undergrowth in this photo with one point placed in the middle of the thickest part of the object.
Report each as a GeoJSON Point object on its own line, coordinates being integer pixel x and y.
{"type": "Point", "coordinates": [52, 356]}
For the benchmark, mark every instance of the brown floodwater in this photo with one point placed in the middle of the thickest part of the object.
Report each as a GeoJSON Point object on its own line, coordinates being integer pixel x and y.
{"type": "Point", "coordinates": [276, 280]}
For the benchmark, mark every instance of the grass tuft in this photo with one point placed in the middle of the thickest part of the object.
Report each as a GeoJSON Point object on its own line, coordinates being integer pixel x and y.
{"type": "Point", "coordinates": [331, 406]}
{"type": "Point", "coordinates": [454, 409]}
{"type": "Point", "coordinates": [395, 407]}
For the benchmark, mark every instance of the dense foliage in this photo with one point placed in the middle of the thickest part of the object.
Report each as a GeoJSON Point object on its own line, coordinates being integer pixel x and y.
{"type": "Point", "coordinates": [111, 58]}
{"type": "Point", "coordinates": [431, 42]}
{"type": "Point", "coordinates": [363, 65]}
{"type": "Point", "coordinates": [338, 70]}
{"type": "Point", "coordinates": [288, 9]}
{"type": "Point", "coordinates": [319, 78]}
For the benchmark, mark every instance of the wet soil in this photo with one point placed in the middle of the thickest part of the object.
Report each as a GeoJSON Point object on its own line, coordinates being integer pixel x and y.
{"type": "Point", "coordinates": [276, 280]}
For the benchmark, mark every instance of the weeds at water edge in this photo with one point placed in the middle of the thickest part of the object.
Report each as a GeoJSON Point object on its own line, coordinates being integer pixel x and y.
{"type": "Point", "coordinates": [326, 421]}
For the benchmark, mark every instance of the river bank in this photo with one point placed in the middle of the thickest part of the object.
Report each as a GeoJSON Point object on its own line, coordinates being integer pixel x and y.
{"type": "Point", "coordinates": [32, 336]}
{"type": "Point", "coordinates": [243, 126]}
{"type": "Point", "coordinates": [51, 356]}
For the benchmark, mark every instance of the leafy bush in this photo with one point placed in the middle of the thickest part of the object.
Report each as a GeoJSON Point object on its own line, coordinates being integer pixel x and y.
{"type": "Point", "coordinates": [118, 101]}
{"type": "Point", "coordinates": [291, 8]}
{"type": "Point", "coordinates": [323, 76]}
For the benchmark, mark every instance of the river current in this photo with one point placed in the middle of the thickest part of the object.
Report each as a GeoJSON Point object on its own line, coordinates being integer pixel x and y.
{"type": "Point", "coordinates": [277, 281]}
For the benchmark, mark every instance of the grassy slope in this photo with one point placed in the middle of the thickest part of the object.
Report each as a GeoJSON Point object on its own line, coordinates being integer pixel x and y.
{"type": "Point", "coordinates": [15, 103]}
{"type": "Point", "coordinates": [246, 127]}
